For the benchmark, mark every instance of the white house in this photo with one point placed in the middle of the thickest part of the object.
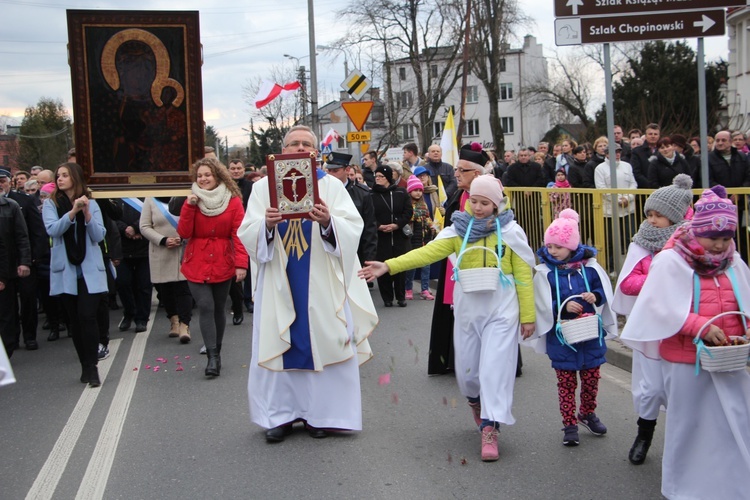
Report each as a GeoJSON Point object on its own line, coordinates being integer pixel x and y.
{"type": "Point", "coordinates": [523, 124]}
{"type": "Point", "coordinates": [738, 86]}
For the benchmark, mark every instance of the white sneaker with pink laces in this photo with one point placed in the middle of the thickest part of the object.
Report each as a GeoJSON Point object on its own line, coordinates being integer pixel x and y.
{"type": "Point", "coordinates": [426, 295]}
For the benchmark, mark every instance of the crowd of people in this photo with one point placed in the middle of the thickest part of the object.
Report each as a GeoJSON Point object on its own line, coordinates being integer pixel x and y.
{"type": "Point", "coordinates": [381, 221]}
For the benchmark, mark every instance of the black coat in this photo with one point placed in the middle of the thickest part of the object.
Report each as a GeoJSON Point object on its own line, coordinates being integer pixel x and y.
{"type": "Point", "coordinates": [576, 173]}
{"type": "Point", "coordinates": [246, 188]}
{"type": "Point", "coordinates": [661, 172]}
{"type": "Point", "coordinates": [736, 173]}
{"type": "Point", "coordinates": [392, 206]}
{"type": "Point", "coordinates": [14, 239]}
{"type": "Point", "coordinates": [588, 171]}
{"type": "Point", "coordinates": [368, 242]}
{"type": "Point", "coordinates": [131, 248]}
{"type": "Point", "coordinates": [639, 160]}
{"type": "Point", "coordinates": [440, 357]}
{"type": "Point", "coordinates": [38, 238]}
{"type": "Point", "coordinates": [529, 174]}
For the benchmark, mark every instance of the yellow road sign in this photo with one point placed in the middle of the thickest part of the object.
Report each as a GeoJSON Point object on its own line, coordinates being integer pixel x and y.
{"type": "Point", "coordinates": [363, 136]}
{"type": "Point", "coordinates": [356, 84]}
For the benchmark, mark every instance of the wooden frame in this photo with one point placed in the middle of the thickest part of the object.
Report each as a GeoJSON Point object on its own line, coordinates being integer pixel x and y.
{"type": "Point", "coordinates": [137, 98]}
{"type": "Point", "coordinates": [285, 171]}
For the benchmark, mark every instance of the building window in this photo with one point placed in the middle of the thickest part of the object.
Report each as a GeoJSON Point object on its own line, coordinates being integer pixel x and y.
{"type": "Point", "coordinates": [506, 91]}
{"type": "Point", "coordinates": [407, 132]}
{"type": "Point", "coordinates": [501, 64]}
{"type": "Point", "coordinates": [404, 99]}
{"type": "Point", "coordinates": [507, 123]}
{"type": "Point", "coordinates": [434, 71]}
{"type": "Point", "coordinates": [471, 127]}
{"type": "Point", "coordinates": [437, 127]}
{"type": "Point", "coordinates": [472, 94]}
{"type": "Point", "coordinates": [402, 73]}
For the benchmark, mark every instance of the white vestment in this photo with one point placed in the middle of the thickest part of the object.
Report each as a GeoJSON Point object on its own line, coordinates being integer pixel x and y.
{"type": "Point", "coordinates": [707, 440]}
{"type": "Point", "coordinates": [646, 381]}
{"type": "Point", "coordinates": [341, 317]}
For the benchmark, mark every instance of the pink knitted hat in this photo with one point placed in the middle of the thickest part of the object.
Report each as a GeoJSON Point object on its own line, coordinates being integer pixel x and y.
{"type": "Point", "coordinates": [48, 188]}
{"type": "Point", "coordinates": [413, 184]}
{"type": "Point", "coordinates": [564, 230]}
{"type": "Point", "coordinates": [489, 187]}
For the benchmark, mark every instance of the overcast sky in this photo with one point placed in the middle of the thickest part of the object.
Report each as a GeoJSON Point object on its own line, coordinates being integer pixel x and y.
{"type": "Point", "coordinates": [241, 39]}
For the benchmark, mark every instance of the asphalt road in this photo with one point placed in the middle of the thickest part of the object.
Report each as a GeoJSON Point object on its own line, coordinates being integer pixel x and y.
{"type": "Point", "coordinates": [175, 434]}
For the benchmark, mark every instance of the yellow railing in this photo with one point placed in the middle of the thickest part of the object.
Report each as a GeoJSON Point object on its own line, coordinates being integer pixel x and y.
{"type": "Point", "coordinates": [535, 208]}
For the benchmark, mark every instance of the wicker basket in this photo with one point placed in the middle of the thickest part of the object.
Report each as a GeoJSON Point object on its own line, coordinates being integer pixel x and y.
{"type": "Point", "coordinates": [722, 358]}
{"type": "Point", "coordinates": [578, 330]}
{"type": "Point", "coordinates": [478, 279]}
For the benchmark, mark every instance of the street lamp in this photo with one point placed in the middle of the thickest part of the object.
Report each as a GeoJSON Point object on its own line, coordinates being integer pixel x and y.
{"type": "Point", "coordinates": [346, 62]}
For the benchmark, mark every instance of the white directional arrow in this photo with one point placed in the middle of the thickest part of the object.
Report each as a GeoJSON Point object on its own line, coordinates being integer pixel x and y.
{"type": "Point", "coordinates": [578, 3]}
{"type": "Point", "coordinates": [706, 23]}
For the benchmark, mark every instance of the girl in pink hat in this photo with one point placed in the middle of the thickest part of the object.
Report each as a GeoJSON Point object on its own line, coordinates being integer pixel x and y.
{"type": "Point", "coordinates": [569, 268]}
{"type": "Point", "coordinates": [422, 233]}
{"type": "Point", "coordinates": [487, 323]}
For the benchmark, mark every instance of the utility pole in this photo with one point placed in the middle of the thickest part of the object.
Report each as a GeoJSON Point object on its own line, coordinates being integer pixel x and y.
{"type": "Point", "coordinates": [303, 95]}
{"type": "Point", "coordinates": [465, 77]}
{"type": "Point", "coordinates": [313, 71]}
{"type": "Point", "coordinates": [226, 150]}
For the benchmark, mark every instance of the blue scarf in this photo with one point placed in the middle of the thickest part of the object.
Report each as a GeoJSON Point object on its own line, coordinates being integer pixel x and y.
{"type": "Point", "coordinates": [482, 227]}
{"type": "Point", "coordinates": [582, 253]}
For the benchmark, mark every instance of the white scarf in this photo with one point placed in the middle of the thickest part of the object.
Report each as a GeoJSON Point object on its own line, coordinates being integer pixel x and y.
{"type": "Point", "coordinates": [213, 202]}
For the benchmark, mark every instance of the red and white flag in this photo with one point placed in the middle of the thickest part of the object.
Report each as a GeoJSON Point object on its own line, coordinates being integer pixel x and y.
{"type": "Point", "coordinates": [331, 136]}
{"type": "Point", "coordinates": [270, 91]}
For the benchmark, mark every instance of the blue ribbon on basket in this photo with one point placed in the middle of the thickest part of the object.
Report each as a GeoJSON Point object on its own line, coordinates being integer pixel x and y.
{"type": "Point", "coordinates": [700, 347]}
{"type": "Point", "coordinates": [504, 281]}
{"type": "Point", "coordinates": [558, 328]}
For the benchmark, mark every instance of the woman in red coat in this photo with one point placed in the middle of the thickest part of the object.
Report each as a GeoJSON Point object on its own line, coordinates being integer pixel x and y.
{"type": "Point", "coordinates": [214, 256]}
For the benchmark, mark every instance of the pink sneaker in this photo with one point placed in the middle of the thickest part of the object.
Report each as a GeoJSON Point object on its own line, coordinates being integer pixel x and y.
{"type": "Point", "coordinates": [409, 295]}
{"type": "Point", "coordinates": [490, 452]}
{"type": "Point", "coordinates": [426, 295]}
{"type": "Point", "coordinates": [476, 412]}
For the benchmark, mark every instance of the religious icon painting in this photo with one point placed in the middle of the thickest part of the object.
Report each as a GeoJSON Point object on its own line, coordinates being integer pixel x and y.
{"type": "Point", "coordinates": [293, 183]}
{"type": "Point", "coordinates": [137, 98]}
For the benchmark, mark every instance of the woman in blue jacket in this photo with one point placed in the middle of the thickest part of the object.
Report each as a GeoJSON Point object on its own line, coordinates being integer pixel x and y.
{"type": "Point", "coordinates": [77, 274]}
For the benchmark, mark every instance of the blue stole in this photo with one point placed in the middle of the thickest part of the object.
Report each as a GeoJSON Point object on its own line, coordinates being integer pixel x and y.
{"type": "Point", "coordinates": [295, 236]}
{"type": "Point", "coordinates": [134, 203]}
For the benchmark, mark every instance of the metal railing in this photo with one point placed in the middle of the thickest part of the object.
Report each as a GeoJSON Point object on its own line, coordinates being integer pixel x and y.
{"type": "Point", "coordinates": [536, 208]}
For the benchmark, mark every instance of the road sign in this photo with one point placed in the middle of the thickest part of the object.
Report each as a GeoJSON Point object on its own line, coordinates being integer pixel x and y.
{"type": "Point", "coordinates": [356, 84]}
{"type": "Point", "coordinates": [363, 136]}
{"type": "Point", "coordinates": [358, 112]}
{"type": "Point", "coordinates": [565, 8]}
{"type": "Point", "coordinates": [688, 24]}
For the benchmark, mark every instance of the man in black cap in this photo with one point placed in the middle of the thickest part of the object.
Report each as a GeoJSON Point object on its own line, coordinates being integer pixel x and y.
{"type": "Point", "coordinates": [15, 262]}
{"type": "Point", "coordinates": [27, 285]}
{"type": "Point", "coordinates": [338, 166]}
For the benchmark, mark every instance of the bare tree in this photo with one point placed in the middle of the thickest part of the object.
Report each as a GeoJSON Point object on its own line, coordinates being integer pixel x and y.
{"type": "Point", "coordinates": [569, 86]}
{"type": "Point", "coordinates": [494, 23]}
{"type": "Point", "coordinates": [426, 34]}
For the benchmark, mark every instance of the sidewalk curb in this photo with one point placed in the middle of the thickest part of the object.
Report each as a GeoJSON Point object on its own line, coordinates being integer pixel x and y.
{"type": "Point", "coordinates": [619, 355]}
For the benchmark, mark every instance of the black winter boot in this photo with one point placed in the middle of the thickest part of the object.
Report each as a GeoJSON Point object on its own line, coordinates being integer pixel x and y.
{"type": "Point", "coordinates": [212, 368]}
{"type": "Point", "coordinates": [642, 441]}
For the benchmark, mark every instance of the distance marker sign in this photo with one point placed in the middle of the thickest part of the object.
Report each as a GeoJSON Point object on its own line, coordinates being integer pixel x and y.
{"type": "Point", "coordinates": [567, 8]}
{"type": "Point", "coordinates": [688, 24]}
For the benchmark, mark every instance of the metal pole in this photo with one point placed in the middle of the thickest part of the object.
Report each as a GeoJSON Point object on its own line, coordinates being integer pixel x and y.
{"type": "Point", "coordinates": [702, 115]}
{"type": "Point", "coordinates": [313, 70]}
{"type": "Point", "coordinates": [612, 158]}
{"type": "Point", "coordinates": [464, 77]}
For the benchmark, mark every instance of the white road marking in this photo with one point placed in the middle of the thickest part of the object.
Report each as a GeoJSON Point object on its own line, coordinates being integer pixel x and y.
{"type": "Point", "coordinates": [49, 476]}
{"type": "Point", "coordinates": [95, 479]}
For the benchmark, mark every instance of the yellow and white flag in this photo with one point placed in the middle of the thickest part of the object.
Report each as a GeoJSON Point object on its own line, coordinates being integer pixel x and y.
{"type": "Point", "coordinates": [448, 141]}
{"type": "Point", "coordinates": [442, 198]}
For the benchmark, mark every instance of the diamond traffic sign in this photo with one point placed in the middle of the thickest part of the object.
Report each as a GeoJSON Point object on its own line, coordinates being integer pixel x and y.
{"type": "Point", "coordinates": [358, 112]}
{"type": "Point", "coordinates": [565, 8]}
{"type": "Point", "coordinates": [603, 29]}
{"type": "Point", "coordinates": [356, 84]}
